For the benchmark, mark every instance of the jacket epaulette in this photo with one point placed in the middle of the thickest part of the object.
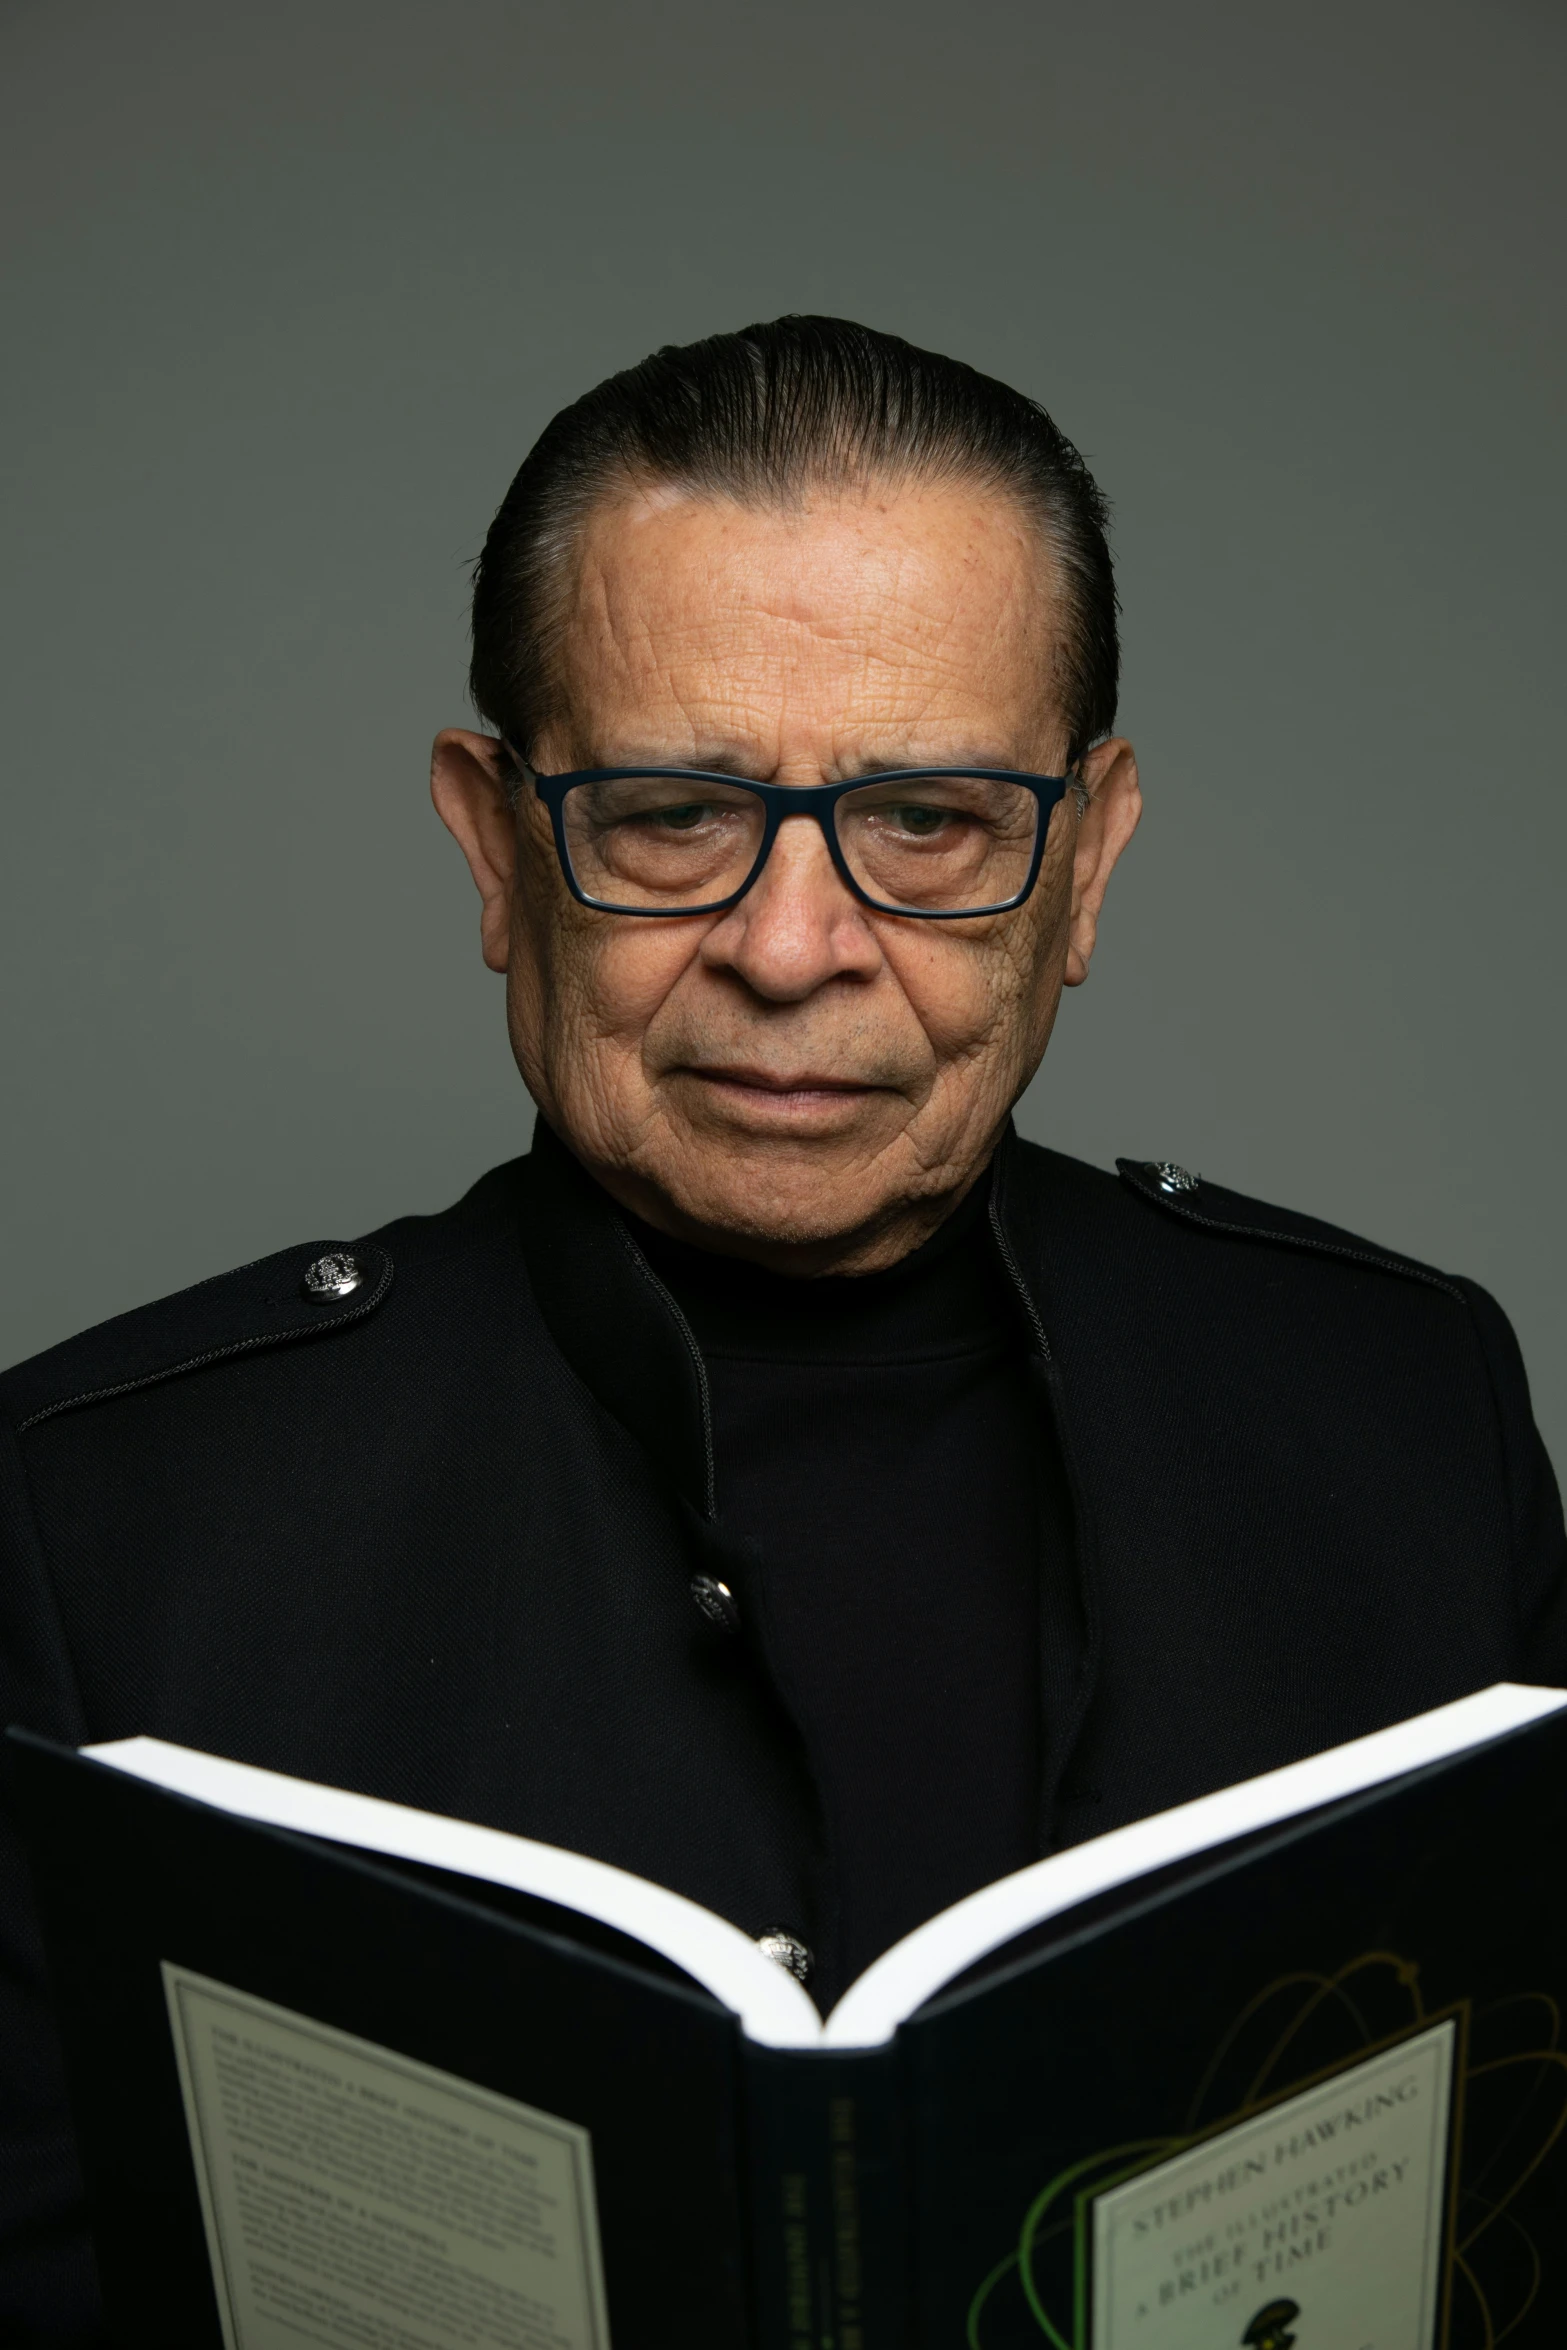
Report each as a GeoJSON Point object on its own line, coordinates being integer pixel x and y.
{"type": "Point", "coordinates": [1211, 1208]}
{"type": "Point", "coordinates": [292, 1296]}
{"type": "Point", "coordinates": [299, 1294]}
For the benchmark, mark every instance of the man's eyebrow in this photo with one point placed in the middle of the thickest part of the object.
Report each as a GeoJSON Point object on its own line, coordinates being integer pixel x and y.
{"type": "Point", "coordinates": [707, 759]}
{"type": "Point", "coordinates": [964, 756]}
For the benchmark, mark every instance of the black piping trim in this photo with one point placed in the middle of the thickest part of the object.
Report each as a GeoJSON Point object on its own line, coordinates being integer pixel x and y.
{"type": "Point", "coordinates": [1178, 1204]}
{"type": "Point", "coordinates": [1014, 1271]}
{"type": "Point", "coordinates": [1056, 1751]}
{"type": "Point", "coordinates": [704, 1394]}
{"type": "Point", "coordinates": [216, 1354]}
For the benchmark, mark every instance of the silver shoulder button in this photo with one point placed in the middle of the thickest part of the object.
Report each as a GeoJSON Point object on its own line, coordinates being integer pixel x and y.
{"type": "Point", "coordinates": [335, 1275]}
{"type": "Point", "coordinates": [788, 1951]}
{"type": "Point", "coordinates": [1172, 1179]}
{"type": "Point", "coordinates": [716, 1601]}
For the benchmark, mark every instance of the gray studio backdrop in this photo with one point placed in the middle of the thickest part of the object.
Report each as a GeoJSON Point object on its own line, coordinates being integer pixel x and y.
{"type": "Point", "coordinates": [289, 290]}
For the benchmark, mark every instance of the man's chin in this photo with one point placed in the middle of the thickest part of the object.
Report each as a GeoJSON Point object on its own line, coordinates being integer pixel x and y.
{"type": "Point", "coordinates": [782, 1202]}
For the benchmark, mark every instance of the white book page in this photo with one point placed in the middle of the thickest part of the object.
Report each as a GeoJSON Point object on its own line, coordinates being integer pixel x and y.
{"type": "Point", "coordinates": [915, 1969]}
{"type": "Point", "coordinates": [771, 2005]}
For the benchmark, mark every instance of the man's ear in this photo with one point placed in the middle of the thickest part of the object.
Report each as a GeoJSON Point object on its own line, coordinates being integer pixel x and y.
{"type": "Point", "coordinates": [1115, 801]}
{"type": "Point", "coordinates": [472, 802]}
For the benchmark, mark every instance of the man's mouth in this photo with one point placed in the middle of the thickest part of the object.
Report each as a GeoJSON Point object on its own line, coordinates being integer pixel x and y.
{"type": "Point", "coordinates": [765, 1089]}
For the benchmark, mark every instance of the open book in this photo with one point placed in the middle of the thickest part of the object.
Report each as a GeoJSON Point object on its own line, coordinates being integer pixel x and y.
{"type": "Point", "coordinates": [771, 2005]}
{"type": "Point", "coordinates": [987, 2141]}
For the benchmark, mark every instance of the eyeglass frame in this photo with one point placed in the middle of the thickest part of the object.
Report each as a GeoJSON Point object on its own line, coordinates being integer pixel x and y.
{"type": "Point", "coordinates": [782, 800]}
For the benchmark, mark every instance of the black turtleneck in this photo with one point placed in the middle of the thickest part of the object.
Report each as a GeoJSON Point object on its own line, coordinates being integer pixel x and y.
{"type": "Point", "coordinates": [882, 1460]}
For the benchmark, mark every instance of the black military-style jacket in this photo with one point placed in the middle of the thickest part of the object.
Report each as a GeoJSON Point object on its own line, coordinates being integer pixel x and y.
{"type": "Point", "coordinates": [447, 1537]}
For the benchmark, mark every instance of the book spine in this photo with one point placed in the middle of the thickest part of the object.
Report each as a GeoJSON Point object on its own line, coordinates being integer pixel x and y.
{"type": "Point", "coordinates": [827, 2197]}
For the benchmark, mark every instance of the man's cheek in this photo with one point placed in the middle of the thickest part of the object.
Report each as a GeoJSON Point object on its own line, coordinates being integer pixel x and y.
{"type": "Point", "coordinates": [960, 995]}
{"type": "Point", "coordinates": [613, 1109]}
{"type": "Point", "coordinates": [629, 972]}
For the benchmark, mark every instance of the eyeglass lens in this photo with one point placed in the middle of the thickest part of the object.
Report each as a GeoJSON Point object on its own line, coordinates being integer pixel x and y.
{"type": "Point", "coordinates": [932, 844]}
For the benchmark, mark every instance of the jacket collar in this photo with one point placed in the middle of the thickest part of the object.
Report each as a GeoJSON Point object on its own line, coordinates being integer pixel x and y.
{"type": "Point", "coordinates": [623, 1333]}
{"type": "Point", "coordinates": [614, 1320]}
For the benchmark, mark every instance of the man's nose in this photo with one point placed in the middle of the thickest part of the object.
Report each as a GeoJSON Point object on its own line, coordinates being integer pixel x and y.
{"type": "Point", "coordinates": [798, 926]}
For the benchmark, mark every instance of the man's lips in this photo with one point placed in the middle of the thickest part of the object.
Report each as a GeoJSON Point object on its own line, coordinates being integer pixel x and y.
{"type": "Point", "coordinates": [769, 1082]}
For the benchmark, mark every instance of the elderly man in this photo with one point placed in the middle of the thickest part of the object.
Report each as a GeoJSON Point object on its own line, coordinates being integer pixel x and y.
{"type": "Point", "coordinates": [783, 1481]}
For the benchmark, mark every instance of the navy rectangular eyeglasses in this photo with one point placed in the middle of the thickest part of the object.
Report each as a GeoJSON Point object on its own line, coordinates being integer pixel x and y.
{"type": "Point", "coordinates": [935, 843]}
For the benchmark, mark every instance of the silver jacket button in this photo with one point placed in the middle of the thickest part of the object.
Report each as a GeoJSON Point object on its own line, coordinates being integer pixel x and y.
{"type": "Point", "coordinates": [335, 1275]}
{"type": "Point", "coordinates": [788, 1951]}
{"type": "Point", "coordinates": [716, 1601]}
{"type": "Point", "coordinates": [1175, 1179]}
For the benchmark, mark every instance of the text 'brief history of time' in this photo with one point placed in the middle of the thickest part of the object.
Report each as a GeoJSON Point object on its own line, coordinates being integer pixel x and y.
{"type": "Point", "coordinates": [1326, 2208]}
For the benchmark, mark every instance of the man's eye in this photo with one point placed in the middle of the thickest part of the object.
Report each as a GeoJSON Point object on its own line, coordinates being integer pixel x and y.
{"type": "Point", "coordinates": [919, 820]}
{"type": "Point", "coordinates": [685, 818]}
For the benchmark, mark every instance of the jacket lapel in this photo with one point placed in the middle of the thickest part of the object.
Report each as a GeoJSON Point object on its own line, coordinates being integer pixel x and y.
{"type": "Point", "coordinates": [613, 1319]}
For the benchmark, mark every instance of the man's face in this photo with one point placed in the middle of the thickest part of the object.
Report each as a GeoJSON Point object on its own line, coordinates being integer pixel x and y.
{"type": "Point", "coordinates": [800, 1079]}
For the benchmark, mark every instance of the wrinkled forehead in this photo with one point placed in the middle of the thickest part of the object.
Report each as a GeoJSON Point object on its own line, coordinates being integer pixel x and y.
{"type": "Point", "coordinates": [916, 620]}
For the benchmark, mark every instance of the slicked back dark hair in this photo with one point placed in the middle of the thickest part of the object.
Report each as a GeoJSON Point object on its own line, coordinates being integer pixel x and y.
{"type": "Point", "coordinates": [760, 416]}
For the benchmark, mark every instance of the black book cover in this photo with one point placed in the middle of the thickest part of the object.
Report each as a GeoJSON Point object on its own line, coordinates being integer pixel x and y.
{"type": "Point", "coordinates": [1202, 2015]}
{"type": "Point", "coordinates": [1306, 2091]}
